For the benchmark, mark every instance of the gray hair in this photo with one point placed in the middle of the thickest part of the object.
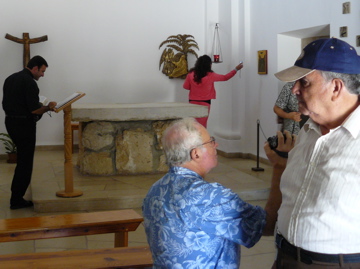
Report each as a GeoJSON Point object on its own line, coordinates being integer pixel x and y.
{"type": "Point", "coordinates": [351, 81]}
{"type": "Point", "coordinates": [179, 139]}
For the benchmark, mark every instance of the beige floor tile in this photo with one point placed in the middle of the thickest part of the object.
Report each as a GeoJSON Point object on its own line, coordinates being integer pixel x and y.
{"type": "Point", "coordinates": [138, 236]}
{"type": "Point", "coordinates": [17, 247]}
{"type": "Point", "coordinates": [266, 245]}
{"type": "Point", "coordinates": [134, 192]}
{"type": "Point", "coordinates": [54, 249]}
{"type": "Point", "coordinates": [100, 244]}
{"type": "Point", "coordinates": [113, 186]}
{"type": "Point", "coordinates": [102, 237]}
{"type": "Point", "coordinates": [261, 261]}
{"type": "Point", "coordinates": [74, 242]}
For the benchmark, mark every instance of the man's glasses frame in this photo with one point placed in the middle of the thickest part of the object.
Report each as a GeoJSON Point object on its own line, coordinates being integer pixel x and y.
{"type": "Point", "coordinates": [212, 141]}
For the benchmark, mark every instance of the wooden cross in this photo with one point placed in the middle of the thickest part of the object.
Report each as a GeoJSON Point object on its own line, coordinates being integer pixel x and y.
{"type": "Point", "coordinates": [26, 41]}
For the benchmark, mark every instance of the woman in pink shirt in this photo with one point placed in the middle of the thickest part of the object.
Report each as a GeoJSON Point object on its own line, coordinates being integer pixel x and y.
{"type": "Point", "coordinates": [200, 82]}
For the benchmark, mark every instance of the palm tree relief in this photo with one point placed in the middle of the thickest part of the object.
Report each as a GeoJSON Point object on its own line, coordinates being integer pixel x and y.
{"type": "Point", "coordinates": [174, 56]}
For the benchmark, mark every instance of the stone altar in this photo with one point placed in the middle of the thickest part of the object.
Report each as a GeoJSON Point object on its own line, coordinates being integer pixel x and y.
{"type": "Point", "coordinates": [125, 139]}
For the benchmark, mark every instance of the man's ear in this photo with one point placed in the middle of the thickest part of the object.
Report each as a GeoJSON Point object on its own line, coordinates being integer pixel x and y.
{"type": "Point", "coordinates": [337, 88]}
{"type": "Point", "coordinates": [34, 70]}
{"type": "Point", "coordinates": [195, 154]}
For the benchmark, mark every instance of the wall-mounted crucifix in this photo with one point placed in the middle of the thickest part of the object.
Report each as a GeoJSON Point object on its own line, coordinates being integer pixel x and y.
{"type": "Point", "coordinates": [26, 40]}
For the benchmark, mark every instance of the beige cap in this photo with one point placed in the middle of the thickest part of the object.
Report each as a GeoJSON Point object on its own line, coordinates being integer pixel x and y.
{"type": "Point", "coordinates": [293, 73]}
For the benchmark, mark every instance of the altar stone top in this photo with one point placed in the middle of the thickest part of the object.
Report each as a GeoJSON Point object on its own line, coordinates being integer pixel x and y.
{"type": "Point", "coordinates": [136, 112]}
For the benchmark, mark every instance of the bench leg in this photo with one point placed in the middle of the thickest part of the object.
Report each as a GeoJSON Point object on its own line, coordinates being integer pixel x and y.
{"type": "Point", "coordinates": [121, 239]}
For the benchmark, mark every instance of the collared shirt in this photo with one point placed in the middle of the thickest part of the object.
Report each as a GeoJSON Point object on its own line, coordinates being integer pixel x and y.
{"type": "Point", "coordinates": [320, 187]}
{"type": "Point", "coordinates": [191, 223]}
{"type": "Point", "coordinates": [206, 89]}
{"type": "Point", "coordinates": [21, 94]}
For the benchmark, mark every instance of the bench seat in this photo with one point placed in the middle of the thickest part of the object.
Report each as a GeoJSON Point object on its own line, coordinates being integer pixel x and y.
{"type": "Point", "coordinates": [124, 257]}
{"type": "Point", "coordinates": [119, 222]}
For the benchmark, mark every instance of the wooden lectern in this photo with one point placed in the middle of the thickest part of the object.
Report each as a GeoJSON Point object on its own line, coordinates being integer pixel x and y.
{"type": "Point", "coordinates": [68, 167]}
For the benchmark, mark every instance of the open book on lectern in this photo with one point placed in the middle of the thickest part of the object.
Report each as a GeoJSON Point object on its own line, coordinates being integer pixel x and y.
{"type": "Point", "coordinates": [68, 101]}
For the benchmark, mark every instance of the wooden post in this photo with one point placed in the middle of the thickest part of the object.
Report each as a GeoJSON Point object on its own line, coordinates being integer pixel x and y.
{"type": "Point", "coordinates": [68, 166]}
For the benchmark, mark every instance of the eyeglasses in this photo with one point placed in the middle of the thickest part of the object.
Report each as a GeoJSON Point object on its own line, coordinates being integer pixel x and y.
{"type": "Point", "coordinates": [212, 141]}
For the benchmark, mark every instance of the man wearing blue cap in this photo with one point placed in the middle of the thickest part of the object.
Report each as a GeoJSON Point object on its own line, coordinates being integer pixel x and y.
{"type": "Point", "coordinates": [318, 219]}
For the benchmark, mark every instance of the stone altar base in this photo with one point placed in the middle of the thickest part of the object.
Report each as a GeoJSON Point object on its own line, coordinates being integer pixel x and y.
{"type": "Point", "coordinates": [122, 148]}
{"type": "Point", "coordinates": [125, 139]}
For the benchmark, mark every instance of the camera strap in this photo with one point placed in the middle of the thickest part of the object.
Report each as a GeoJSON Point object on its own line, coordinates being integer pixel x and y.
{"type": "Point", "coordinates": [281, 153]}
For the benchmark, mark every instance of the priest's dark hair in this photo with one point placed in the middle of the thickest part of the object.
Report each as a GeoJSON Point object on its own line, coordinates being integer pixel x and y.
{"type": "Point", "coordinates": [36, 61]}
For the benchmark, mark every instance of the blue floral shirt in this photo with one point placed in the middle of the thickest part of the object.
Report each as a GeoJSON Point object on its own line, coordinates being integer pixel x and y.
{"type": "Point", "coordinates": [191, 223]}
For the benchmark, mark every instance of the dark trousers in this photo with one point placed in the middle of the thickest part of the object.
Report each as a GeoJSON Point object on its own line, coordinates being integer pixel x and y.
{"type": "Point", "coordinates": [284, 261]}
{"type": "Point", "coordinates": [23, 133]}
{"type": "Point", "coordinates": [291, 257]}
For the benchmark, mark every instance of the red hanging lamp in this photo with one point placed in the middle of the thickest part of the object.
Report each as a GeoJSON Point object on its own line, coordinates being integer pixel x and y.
{"type": "Point", "coordinates": [216, 46]}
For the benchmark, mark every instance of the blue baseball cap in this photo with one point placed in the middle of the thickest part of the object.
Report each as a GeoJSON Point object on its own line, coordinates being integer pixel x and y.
{"type": "Point", "coordinates": [327, 54]}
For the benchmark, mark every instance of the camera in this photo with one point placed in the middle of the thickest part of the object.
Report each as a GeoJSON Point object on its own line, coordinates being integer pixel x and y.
{"type": "Point", "coordinates": [273, 141]}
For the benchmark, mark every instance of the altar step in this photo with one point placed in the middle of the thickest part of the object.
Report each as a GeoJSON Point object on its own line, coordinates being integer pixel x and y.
{"type": "Point", "coordinates": [119, 192]}
{"type": "Point", "coordinates": [87, 203]}
{"type": "Point", "coordinates": [106, 203]}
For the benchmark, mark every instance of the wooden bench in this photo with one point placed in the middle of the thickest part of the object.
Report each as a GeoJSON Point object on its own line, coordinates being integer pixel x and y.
{"type": "Point", "coordinates": [119, 222]}
{"type": "Point", "coordinates": [127, 257]}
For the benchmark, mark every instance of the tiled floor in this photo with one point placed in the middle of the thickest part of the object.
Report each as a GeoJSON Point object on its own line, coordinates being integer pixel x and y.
{"type": "Point", "coordinates": [121, 192]}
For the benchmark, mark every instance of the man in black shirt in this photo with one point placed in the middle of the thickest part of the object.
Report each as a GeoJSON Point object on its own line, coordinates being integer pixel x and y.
{"type": "Point", "coordinates": [23, 109]}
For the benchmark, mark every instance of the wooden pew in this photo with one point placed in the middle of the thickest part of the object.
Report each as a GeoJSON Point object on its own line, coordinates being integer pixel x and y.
{"type": "Point", "coordinates": [124, 257]}
{"type": "Point", "coordinates": [119, 222]}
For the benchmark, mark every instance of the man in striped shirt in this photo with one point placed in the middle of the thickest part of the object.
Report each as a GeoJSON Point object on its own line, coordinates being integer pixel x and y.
{"type": "Point", "coordinates": [318, 220]}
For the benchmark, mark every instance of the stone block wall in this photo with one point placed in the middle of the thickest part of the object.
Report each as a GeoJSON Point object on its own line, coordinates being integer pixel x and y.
{"type": "Point", "coordinates": [122, 148]}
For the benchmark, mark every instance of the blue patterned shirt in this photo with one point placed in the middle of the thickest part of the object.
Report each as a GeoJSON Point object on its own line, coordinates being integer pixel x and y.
{"type": "Point", "coordinates": [191, 223]}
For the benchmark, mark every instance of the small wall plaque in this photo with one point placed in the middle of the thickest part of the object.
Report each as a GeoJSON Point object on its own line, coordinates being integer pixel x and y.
{"type": "Point", "coordinates": [346, 8]}
{"type": "Point", "coordinates": [262, 62]}
{"type": "Point", "coordinates": [343, 31]}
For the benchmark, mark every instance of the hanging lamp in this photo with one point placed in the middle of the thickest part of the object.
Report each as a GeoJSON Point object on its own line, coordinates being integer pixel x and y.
{"type": "Point", "coordinates": [216, 47]}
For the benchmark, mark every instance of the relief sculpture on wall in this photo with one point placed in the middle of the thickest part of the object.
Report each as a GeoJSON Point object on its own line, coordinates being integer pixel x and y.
{"type": "Point", "coordinates": [174, 56]}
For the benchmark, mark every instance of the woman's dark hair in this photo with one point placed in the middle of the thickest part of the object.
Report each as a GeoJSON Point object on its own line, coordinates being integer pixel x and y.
{"type": "Point", "coordinates": [201, 68]}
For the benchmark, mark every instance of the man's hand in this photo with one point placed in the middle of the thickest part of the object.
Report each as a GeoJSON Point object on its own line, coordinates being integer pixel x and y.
{"type": "Point", "coordinates": [295, 116]}
{"type": "Point", "coordinates": [44, 109]}
{"type": "Point", "coordinates": [285, 147]}
{"type": "Point", "coordinates": [52, 105]}
{"type": "Point", "coordinates": [288, 144]}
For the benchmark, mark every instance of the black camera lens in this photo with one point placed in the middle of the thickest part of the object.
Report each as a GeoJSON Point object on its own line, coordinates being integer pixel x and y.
{"type": "Point", "coordinates": [273, 141]}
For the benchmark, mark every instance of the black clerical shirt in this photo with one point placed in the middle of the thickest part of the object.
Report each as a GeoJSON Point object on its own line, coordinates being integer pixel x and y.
{"type": "Point", "coordinates": [20, 94]}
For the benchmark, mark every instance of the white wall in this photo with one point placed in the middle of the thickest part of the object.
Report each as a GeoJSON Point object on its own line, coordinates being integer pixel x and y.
{"type": "Point", "coordinates": [107, 49]}
{"type": "Point", "coordinates": [110, 50]}
{"type": "Point", "coordinates": [226, 111]}
{"type": "Point", "coordinates": [289, 48]}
